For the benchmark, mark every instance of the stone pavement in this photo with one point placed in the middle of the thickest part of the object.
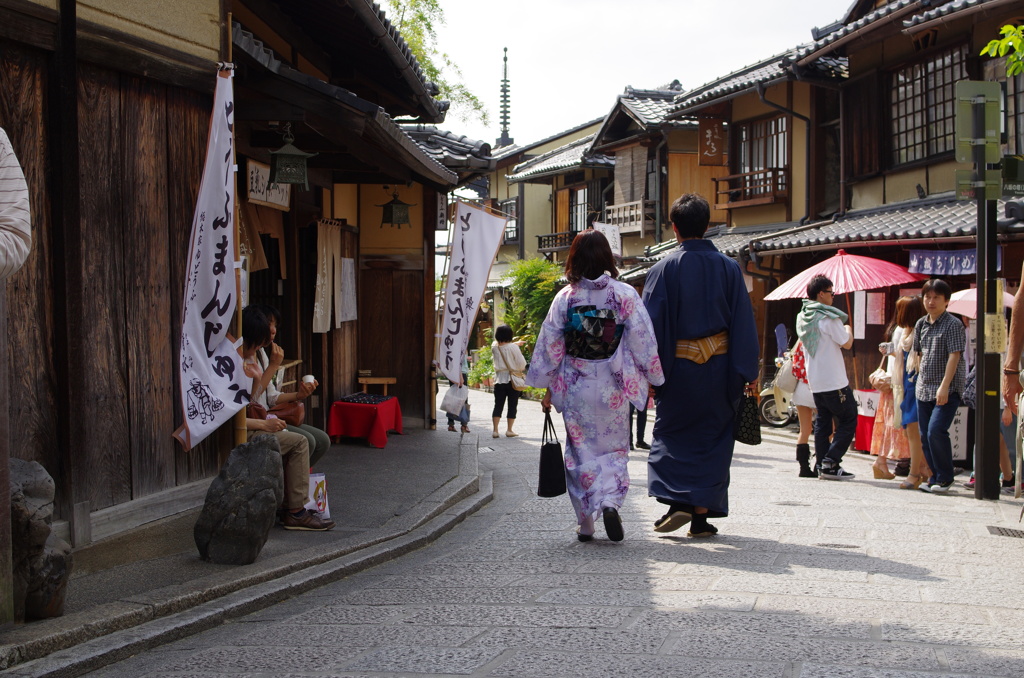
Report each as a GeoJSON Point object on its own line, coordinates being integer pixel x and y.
{"type": "Point", "coordinates": [808, 578]}
{"type": "Point", "coordinates": [150, 582]}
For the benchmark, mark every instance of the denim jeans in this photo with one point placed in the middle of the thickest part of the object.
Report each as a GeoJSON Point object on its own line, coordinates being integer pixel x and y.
{"type": "Point", "coordinates": [842, 408]}
{"type": "Point", "coordinates": [934, 421]}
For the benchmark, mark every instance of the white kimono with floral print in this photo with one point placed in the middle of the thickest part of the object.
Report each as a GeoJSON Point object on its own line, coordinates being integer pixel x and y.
{"type": "Point", "coordinates": [594, 395]}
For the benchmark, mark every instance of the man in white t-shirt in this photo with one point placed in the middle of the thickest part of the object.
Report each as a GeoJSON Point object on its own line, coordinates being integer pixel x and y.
{"type": "Point", "coordinates": [821, 328]}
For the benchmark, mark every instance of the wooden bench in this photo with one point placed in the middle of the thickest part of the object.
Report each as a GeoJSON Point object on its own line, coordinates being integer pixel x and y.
{"type": "Point", "coordinates": [383, 381]}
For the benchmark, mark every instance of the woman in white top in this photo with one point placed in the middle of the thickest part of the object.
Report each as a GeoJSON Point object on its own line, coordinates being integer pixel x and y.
{"type": "Point", "coordinates": [507, 357]}
{"type": "Point", "coordinates": [270, 395]}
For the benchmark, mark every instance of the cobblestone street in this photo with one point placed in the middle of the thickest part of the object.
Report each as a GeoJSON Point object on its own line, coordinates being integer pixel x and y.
{"type": "Point", "coordinates": [806, 579]}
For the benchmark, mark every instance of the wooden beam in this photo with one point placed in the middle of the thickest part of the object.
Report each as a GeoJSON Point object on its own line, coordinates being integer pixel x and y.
{"type": "Point", "coordinates": [268, 110]}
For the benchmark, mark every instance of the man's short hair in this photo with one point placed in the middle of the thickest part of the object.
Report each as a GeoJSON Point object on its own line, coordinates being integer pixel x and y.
{"type": "Point", "coordinates": [939, 286]}
{"type": "Point", "coordinates": [818, 284]}
{"type": "Point", "coordinates": [690, 214]}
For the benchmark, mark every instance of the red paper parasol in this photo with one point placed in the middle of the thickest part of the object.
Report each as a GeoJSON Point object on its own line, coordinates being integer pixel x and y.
{"type": "Point", "coordinates": [965, 302]}
{"type": "Point", "coordinates": [848, 273]}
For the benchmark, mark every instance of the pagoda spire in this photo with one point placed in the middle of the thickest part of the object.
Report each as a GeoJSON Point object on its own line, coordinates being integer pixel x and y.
{"type": "Point", "coordinates": [504, 139]}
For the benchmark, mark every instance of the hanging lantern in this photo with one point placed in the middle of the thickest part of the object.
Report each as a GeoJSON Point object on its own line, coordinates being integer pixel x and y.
{"type": "Point", "coordinates": [288, 164]}
{"type": "Point", "coordinates": [395, 211]}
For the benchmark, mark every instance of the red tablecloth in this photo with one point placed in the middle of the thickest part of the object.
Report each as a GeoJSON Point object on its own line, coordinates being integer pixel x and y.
{"type": "Point", "coordinates": [365, 421]}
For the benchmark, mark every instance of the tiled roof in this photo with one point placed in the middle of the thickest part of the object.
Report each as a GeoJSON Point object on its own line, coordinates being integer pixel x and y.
{"type": "Point", "coordinates": [571, 155]}
{"type": "Point", "coordinates": [772, 69]}
{"type": "Point", "coordinates": [506, 151]}
{"type": "Point", "coordinates": [454, 151]}
{"type": "Point", "coordinates": [729, 241]}
{"type": "Point", "coordinates": [944, 10]}
{"type": "Point", "coordinates": [383, 125]}
{"type": "Point", "coordinates": [850, 28]}
{"type": "Point", "coordinates": [650, 106]}
{"type": "Point", "coordinates": [914, 221]}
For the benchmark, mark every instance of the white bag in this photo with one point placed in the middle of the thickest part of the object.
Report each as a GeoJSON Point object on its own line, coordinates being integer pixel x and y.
{"type": "Point", "coordinates": [785, 380]}
{"type": "Point", "coordinates": [318, 495]}
{"type": "Point", "coordinates": [454, 399]}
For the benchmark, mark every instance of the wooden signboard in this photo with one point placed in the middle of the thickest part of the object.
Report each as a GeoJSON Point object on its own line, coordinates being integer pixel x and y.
{"type": "Point", "coordinates": [712, 142]}
{"type": "Point", "coordinates": [262, 192]}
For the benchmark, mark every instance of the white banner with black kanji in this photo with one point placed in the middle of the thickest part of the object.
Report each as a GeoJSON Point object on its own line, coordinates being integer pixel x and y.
{"type": "Point", "coordinates": [213, 385]}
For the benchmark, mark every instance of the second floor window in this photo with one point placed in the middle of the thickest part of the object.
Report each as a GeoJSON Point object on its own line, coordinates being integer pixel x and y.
{"type": "Point", "coordinates": [923, 105]}
{"type": "Point", "coordinates": [509, 208]}
{"type": "Point", "coordinates": [578, 209]}
{"type": "Point", "coordinates": [763, 144]}
{"type": "Point", "coordinates": [1015, 114]}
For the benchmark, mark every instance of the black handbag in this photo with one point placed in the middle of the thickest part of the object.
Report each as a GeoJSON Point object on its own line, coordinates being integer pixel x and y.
{"type": "Point", "coordinates": [551, 479]}
{"type": "Point", "coordinates": [747, 429]}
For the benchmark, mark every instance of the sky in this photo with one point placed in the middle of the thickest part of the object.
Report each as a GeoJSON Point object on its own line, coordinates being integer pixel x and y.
{"type": "Point", "coordinates": [570, 59]}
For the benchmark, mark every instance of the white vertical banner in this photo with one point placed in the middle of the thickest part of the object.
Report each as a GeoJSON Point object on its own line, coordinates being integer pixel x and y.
{"type": "Point", "coordinates": [611, 232]}
{"type": "Point", "coordinates": [213, 385]}
{"type": "Point", "coordinates": [475, 243]}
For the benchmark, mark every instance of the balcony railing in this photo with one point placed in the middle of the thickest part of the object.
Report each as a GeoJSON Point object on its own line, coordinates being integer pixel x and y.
{"type": "Point", "coordinates": [555, 242]}
{"type": "Point", "coordinates": [630, 217]}
{"type": "Point", "coordinates": [760, 187]}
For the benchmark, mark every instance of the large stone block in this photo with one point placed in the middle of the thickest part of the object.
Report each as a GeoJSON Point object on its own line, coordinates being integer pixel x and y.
{"type": "Point", "coordinates": [241, 504]}
{"type": "Point", "coordinates": [41, 560]}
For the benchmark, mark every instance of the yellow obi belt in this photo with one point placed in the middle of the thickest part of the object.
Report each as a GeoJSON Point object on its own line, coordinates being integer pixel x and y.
{"type": "Point", "coordinates": [701, 350]}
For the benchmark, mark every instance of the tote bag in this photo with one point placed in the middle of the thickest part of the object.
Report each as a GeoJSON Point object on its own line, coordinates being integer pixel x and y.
{"type": "Point", "coordinates": [551, 478]}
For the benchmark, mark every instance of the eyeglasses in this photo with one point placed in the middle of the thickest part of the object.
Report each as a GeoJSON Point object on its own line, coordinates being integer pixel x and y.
{"type": "Point", "coordinates": [828, 292]}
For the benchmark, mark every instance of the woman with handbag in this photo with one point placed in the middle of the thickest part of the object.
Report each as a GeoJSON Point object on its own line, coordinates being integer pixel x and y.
{"type": "Point", "coordinates": [595, 354]}
{"type": "Point", "coordinates": [902, 368]}
{"type": "Point", "coordinates": [509, 375]}
{"type": "Point", "coordinates": [290, 402]}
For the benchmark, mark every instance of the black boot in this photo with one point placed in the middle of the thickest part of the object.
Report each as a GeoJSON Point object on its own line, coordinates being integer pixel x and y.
{"type": "Point", "coordinates": [803, 456]}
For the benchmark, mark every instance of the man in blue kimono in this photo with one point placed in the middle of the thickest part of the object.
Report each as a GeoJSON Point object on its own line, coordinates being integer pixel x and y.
{"type": "Point", "coordinates": [707, 342]}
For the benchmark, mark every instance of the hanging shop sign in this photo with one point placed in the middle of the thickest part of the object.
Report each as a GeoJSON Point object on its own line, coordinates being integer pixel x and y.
{"type": "Point", "coordinates": [264, 192]}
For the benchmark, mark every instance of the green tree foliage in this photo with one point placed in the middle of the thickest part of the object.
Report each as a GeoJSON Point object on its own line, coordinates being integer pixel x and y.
{"type": "Point", "coordinates": [1010, 46]}
{"type": "Point", "coordinates": [416, 21]}
{"type": "Point", "coordinates": [534, 285]}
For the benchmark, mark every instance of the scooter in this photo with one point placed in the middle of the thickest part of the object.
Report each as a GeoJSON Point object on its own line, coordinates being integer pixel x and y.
{"type": "Point", "coordinates": [777, 408]}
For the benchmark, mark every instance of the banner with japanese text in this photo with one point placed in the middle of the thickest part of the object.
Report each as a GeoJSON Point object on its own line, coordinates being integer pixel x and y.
{"type": "Point", "coordinates": [213, 385]}
{"type": "Point", "coordinates": [612, 233]}
{"type": "Point", "coordinates": [477, 236]}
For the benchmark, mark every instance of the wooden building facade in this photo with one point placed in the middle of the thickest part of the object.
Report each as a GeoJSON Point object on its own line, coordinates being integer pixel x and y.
{"type": "Point", "coordinates": [109, 119]}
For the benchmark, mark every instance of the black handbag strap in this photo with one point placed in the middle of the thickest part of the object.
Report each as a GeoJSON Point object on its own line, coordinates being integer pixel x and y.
{"type": "Point", "coordinates": [549, 435]}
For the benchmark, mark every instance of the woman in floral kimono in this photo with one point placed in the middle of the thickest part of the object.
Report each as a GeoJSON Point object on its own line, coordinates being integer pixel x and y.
{"type": "Point", "coordinates": [595, 354]}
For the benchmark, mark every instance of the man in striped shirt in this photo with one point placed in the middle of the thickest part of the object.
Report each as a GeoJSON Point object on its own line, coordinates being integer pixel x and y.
{"type": "Point", "coordinates": [15, 219]}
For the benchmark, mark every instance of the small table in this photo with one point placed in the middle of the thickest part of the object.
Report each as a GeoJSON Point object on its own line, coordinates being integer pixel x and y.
{"type": "Point", "coordinates": [383, 381]}
{"type": "Point", "coordinates": [368, 421]}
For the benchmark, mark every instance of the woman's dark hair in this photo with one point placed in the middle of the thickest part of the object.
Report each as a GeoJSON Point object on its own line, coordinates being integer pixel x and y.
{"type": "Point", "coordinates": [938, 286]}
{"type": "Point", "coordinates": [690, 214]}
{"type": "Point", "coordinates": [909, 310]}
{"type": "Point", "coordinates": [818, 284]}
{"type": "Point", "coordinates": [503, 334]}
{"type": "Point", "coordinates": [589, 257]}
{"type": "Point", "coordinates": [269, 311]}
{"type": "Point", "coordinates": [255, 328]}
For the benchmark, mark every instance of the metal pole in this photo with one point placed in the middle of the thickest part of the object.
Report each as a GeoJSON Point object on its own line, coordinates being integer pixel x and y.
{"type": "Point", "coordinates": [986, 429]}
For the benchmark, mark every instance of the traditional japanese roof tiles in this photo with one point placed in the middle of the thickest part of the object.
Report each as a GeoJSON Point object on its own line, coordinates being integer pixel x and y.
{"type": "Point", "coordinates": [928, 220]}
{"type": "Point", "coordinates": [729, 241]}
{"type": "Point", "coordinates": [650, 106]}
{"type": "Point", "coordinates": [506, 151]}
{"type": "Point", "coordinates": [944, 10]}
{"type": "Point", "coordinates": [571, 155]}
{"type": "Point", "coordinates": [849, 29]}
{"type": "Point", "coordinates": [773, 69]}
{"type": "Point", "coordinates": [383, 128]}
{"type": "Point", "coordinates": [454, 151]}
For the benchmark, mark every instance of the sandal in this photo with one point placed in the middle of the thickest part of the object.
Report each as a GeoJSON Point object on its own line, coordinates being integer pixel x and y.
{"type": "Point", "coordinates": [912, 482]}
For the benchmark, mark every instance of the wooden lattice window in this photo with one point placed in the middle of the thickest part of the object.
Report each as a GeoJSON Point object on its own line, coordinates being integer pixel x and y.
{"type": "Point", "coordinates": [763, 144]}
{"type": "Point", "coordinates": [1015, 114]}
{"type": "Point", "coordinates": [923, 105]}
